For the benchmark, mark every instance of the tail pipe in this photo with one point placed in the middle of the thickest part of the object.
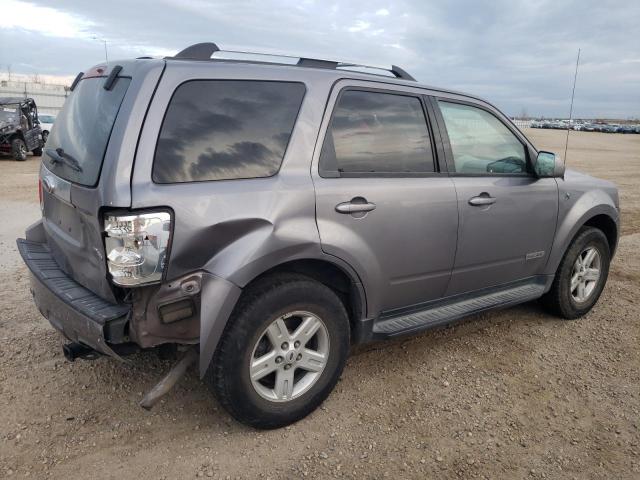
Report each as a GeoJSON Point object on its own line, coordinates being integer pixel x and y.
{"type": "Point", "coordinates": [77, 350]}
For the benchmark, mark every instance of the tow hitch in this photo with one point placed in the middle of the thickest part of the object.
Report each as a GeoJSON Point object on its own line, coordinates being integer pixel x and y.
{"type": "Point", "coordinates": [169, 381]}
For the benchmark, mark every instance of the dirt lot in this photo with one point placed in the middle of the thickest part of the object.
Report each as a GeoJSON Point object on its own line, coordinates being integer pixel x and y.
{"type": "Point", "coordinates": [512, 394]}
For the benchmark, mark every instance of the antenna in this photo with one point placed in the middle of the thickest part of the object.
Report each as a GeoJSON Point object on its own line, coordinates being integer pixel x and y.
{"type": "Point", "coordinates": [573, 92]}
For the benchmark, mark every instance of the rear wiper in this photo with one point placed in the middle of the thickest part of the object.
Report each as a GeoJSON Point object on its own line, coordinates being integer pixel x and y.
{"type": "Point", "coordinates": [59, 156]}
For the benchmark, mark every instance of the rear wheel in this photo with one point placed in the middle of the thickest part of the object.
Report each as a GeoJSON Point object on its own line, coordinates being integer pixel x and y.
{"type": "Point", "coordinates": [19, 149]}
{"type": "Point", "coordinates": [37, 152]}
{"type": "Point", "coordinates": [282, 352]}
{"type": "Point", "coordinates": [45, 135]}
{"type": "Point", "coordinates": [581, 276]}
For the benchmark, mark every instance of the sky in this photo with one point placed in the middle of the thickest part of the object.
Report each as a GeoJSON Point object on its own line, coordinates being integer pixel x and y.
{"type": "Point", "coordinates": [519, 56]}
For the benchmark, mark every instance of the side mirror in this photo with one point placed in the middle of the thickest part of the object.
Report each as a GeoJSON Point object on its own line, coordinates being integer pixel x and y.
{"type": "Point", "coordinates": [548, 165]}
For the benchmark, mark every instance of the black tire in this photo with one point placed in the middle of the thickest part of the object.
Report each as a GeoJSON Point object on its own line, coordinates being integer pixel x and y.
{"type": "Point", "coordinates": [45, 135]}
{"type": "Point", "coordinates": [271, 297]}
{"type": "Point", "coordinates": [559, 300]}
{"type": "Point", "coordinates": [19, 149]}
{"type": "Point", "coordinates": [37, 152]}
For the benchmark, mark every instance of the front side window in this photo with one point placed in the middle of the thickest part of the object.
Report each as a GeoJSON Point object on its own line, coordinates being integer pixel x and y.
{"type": "Point", "coordinates": [226, 129]}
{"type": "Point", "coordinates": [481, 144]}
{"type": "Point", "coordinates": [374, 132]}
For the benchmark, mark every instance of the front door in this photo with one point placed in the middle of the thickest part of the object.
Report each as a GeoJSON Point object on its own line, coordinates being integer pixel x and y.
{"type": "Point", "coordinates": [382, 206]}
{"type": "Point", "coordinates": [507, 215]}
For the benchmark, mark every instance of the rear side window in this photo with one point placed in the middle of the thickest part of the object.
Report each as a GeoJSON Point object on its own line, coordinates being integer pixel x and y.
{"type": "Point", "coordinates": [375, 132]}
{"type": "Point", "coordinates": [76, 145]}
{"type": "Point", "coordinates": [226, 129]}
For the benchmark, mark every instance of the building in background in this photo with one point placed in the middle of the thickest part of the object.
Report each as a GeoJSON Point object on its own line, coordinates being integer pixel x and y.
{"type": "Point", "coordinates": [49, 93]}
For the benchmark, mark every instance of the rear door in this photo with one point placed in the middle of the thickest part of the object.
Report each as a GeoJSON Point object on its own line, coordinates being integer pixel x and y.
{"type": "Point", "coordinates": [507, 215]}
{"type": "Point", "coordinates": [382, 203]}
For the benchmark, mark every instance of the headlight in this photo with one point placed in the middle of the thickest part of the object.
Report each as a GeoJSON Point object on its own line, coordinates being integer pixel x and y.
{"type": "Point", "coordinates": [136, 247]}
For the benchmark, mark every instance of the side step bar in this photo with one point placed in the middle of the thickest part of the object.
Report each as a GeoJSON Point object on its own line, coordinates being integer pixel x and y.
{"type": "Point", "coordinates": [446, 311]}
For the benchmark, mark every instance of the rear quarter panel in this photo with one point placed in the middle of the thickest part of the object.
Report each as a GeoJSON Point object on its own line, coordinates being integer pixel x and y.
{"type": "Point", "coordinates": [235, 229]}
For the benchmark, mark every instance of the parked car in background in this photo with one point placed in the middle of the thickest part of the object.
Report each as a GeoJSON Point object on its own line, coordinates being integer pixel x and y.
{"type": "Point", "coordinates": [276, 215]}
{"type": "Point", "coordinates": [46, 122]}
{"type": "Point", "coordinates": [628, 129]}
{"type": "Point", "coordinates": [19, 129]}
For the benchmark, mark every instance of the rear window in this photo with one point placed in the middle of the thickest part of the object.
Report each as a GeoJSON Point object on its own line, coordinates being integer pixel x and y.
{"type": "Point", "coordinates": [81, 132]}
{"type": "Point", "coordinates": [226, 129]}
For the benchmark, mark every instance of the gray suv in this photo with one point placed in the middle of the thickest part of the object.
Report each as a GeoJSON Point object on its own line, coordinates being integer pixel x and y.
{"type": "Point", "coordinates": [261, 218]}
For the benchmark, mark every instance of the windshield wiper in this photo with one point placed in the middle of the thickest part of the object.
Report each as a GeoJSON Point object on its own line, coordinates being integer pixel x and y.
{"type": "Point", "coordinates": [59, 156]}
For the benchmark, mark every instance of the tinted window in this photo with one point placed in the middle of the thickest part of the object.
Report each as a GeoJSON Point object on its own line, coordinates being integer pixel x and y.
{"type": "Point", "coordinates": [480, 142]}
{"type": "Point", "coordinates": [83, 128]}
{"type": "Point", "coordinates": [377, 132]}
{"type": "Point", "coordinates": [223, 129]}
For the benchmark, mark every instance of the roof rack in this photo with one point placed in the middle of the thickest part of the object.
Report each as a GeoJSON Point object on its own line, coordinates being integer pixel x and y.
{"type": "Point", "coordinates": [203, 51]}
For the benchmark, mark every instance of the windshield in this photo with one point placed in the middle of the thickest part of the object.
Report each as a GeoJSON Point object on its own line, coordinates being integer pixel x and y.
{"type": "Point", "coordinates": [46, 118]}
{"type": "Point", "coordinates": [76, 146]}
{"type": "Point", "coordinates": [8, 114]}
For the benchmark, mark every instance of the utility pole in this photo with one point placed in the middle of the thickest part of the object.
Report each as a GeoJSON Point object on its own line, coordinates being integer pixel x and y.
{"type": "Point", "coordinates": [106, 55]}
{"type": "Point", "coordinates": [104, 41]}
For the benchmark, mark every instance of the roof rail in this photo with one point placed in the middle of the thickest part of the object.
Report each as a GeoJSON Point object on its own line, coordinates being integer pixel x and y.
{"type": "Point", "coordinates": [203, 51]}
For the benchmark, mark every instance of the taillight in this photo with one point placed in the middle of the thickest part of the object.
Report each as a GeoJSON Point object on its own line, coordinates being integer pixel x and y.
{"type": "Point", "coordinates": [136, 246]}
{"type": "Point", "coordinates": [40, 196]}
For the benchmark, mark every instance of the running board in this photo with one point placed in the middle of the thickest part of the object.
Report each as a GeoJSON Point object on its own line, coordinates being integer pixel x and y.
{"type": "Point", "coordinates": [446, 311]}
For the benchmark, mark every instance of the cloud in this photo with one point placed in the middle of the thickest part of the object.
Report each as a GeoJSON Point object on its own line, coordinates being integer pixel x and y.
{"type": "Point", "coordinates": [359, 26]}
{"type": "Point", "coordinates": [516, 54]}
{"type": "Point", "coordinates": [48, 21]}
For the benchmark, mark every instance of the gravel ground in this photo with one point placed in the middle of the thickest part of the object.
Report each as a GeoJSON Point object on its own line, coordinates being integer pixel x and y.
{"type": "Point", "coordinates": [509, 394]}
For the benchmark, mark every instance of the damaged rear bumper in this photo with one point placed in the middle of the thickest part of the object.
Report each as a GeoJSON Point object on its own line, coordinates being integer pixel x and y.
{"type": "Point", "coordinates": [78, 313]}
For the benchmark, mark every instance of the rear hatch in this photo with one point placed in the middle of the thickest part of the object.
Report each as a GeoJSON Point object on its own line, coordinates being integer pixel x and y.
{"type": "Point", "coordinates": [72, 194]}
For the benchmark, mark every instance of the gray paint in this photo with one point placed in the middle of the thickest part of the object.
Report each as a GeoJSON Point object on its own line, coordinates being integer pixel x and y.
{"type": "Point", "coordinates": [494, 240]}
{"type": "Point", "coordinates": [422, 242]}
{"type": "Point", "coordinates": [581, 197]}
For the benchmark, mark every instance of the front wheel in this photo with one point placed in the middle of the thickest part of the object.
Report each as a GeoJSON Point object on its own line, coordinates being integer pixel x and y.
{"type": "Point", "coordinates": [19, 149]}
{"type": "Point", "coordinates": [581, 276]}
{"type": "Point", "coordinates": [282, 352]}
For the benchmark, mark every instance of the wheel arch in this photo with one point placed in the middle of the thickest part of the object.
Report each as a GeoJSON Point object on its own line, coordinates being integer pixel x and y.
{"type": "Point", "coordinates": [608, 226]}
{"type": "Point", "coordinates": [220, 297]}
{"type": "Point", "coordinates": [602, 216]}
{"type": "Point", "coordinates": [343, 282]}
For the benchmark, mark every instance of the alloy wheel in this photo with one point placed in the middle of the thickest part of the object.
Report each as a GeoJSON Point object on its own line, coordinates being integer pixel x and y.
{"type": "Point", "coordinates": [585, 274]}
{"type": "Point", "coordinates": [289, 356]}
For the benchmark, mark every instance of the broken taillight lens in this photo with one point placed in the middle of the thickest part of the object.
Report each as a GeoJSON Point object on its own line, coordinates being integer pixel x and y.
{"type": "Point", "coordinates": [136, 246]}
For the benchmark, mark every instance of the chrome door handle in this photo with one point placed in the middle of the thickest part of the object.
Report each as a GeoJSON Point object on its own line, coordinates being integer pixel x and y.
{"type": "Point", "coordinates": [349, 207]}
{"type": "Point", "coordinates": [483, 199]}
